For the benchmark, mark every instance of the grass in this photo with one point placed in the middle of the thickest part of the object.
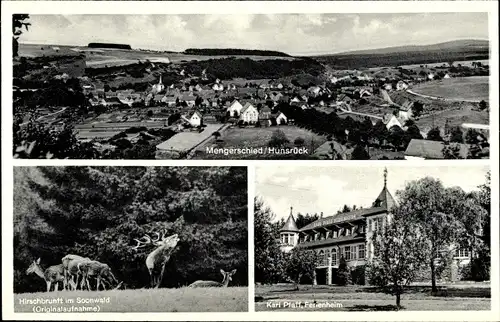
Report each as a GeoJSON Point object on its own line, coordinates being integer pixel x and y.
{"type": "Point", "coordinates": [229, 299]}
{"type": "Point", "coordinates": [455, 117]}
{"type": "Point", "coordinates": [256, 137]}
{"type": "Point", "coordinates": [365, 298]}
{"type": "Point", "coordinates": [464, 88]}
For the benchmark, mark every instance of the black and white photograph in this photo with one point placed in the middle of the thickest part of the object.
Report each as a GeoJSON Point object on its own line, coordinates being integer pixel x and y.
{"type": "Point", "coordinates": [332, 86]}
{"type": "Point", "coordinates": [373, 238]}
{"type": "Point", "coordinates": [130, 239]}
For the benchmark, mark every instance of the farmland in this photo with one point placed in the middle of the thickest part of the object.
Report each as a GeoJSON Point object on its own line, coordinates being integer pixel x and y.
{"type": "Point", "coordinates": [472, 89]}
{"type": "Point", "coordinates": [229, 299]}
{"type": "Point", "coordinates": [256, 138]}
{"type": "Point", "coordinates": [364, 298]}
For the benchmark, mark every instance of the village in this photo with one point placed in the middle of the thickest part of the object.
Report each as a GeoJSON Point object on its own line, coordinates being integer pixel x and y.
{"type": "Point", "coordinates": [373, 113]}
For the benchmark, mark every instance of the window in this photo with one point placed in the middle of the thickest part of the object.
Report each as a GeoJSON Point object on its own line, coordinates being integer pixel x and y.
{"type": "Point", "coordinates": [369, 225]}
{"type": "Point", "coordinates": [361, 251]}
{"type": "Point", "coordinates": [462, 252]}
{"type": "Point", "coordinates": [347, 253]}
{"type": "Point", "coordinates": [335, 234]}
{"type": "Point", "coordinates": [292, 239]}
{"type": "Point", "coordinates": [334, 256]}
{"type": "Point", "coordinates": [286, 239]}
{"type": "Point", "coordinates": [347, 231]}
{"type": "Point", "coordinates": [327, 255]}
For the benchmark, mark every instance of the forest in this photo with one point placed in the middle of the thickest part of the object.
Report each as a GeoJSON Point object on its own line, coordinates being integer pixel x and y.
{"type": "Point", "coordinates": [97, 212]}
{"type": "Point", "coordinates": [233, 52]}
{"type": "Point", "coordinates": [108, 45]}
{"type": "Point", "coordinates": [229, 68]}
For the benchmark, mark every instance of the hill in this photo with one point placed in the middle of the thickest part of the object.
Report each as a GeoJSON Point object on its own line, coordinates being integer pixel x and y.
{"type": "Point", "coordinates": [233, 52]}
{"type": "Point", "coordinates": [109, 45]}
{"type": "Point", "coordinates": [459, 50]}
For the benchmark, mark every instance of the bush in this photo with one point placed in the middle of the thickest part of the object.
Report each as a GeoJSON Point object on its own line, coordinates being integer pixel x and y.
{"type": "Point", "coordinates": [358, 275]}
{"type": "Point", "coordinates": [477, 270]}
{"type": "Point", "coordinates": [299, 141]}
{"type": "Point", "coordinates": [344, 273]}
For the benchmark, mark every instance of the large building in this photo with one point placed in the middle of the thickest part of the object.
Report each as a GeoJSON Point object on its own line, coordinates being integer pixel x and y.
{"type": "Point", "coordinates": [346, 235]}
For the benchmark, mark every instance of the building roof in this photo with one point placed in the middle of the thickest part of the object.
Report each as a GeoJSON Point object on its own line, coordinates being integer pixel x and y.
{"type": "Point", "coordinates": [246, 107]}
{"type": "Point", "coordinates": [290, 224]}
{"type": "Point", "coordinates": [428, 149]}
{"type": "Point", "coordinates": [329, 241]}
{"type": "Point", "coordinates": [359, 214]}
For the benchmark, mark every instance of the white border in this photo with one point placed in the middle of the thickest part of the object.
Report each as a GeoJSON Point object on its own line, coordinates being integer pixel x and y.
{"type": "Point", "coordinates": [244, 7]}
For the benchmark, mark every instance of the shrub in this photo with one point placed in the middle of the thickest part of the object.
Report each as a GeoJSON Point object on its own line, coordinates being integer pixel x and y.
{"type": "Point", "coordinates": [344, 273]}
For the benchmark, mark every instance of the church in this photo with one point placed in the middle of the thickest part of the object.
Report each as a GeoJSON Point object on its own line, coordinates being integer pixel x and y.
{"type": "Point", "coordinates": [347, 235]}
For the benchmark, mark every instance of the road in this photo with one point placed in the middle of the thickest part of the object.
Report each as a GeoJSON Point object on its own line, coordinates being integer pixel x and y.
{"type": "Point", "coordinates": [48, 115]}
{"type": "Point", "coordinates": [361, 114]}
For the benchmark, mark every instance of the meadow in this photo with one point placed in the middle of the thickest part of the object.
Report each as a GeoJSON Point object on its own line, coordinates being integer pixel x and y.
{"type": "Point", "coordinates": [474, 296]}
{"type": "Point", "coordinates": [469, 89]}
{"type": "Point", "coordinates": [185, 299]}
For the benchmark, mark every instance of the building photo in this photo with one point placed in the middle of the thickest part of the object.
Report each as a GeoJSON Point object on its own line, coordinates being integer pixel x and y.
{"type": "Point", "coordinates": [366, 238]}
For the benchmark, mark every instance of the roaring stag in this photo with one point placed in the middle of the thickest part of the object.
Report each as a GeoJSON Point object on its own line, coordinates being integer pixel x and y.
{"type": "Point", "coordinates": [52, 275]}
{"type": "Point", "coordinates": [159, 257]}
{"type": "Point", "coordinates": [227, 277]}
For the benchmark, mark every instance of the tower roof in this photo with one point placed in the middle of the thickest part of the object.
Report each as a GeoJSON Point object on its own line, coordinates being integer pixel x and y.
{"type": "Point", "coordinates": [385, 198]}
{"type": "Point", "coordinates": [290, 224]}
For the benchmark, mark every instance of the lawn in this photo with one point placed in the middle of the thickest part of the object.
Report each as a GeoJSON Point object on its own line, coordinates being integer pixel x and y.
{"type": "Point", "coordinates": [228, 299]}
{"type": "Point", "coordinates": [283, 297]}
{"type": "Point", "coordinates": [257, 137]}
{"type": "Point", "coordinates": [460, 88]}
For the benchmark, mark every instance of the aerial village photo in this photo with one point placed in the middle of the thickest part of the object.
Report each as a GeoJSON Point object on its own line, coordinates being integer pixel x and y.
{"type": "Point", "coordinates": [372, 238]}
{"type": "Point", "coordinates": [130, 239]}
{"type": "Point", "coordinates": [378, 86]}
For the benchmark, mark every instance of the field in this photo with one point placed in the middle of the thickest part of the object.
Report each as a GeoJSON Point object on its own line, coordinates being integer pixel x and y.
{"type": "Point", "coordinates": [258, 137]}
{"type": "Point", "coordinates": [473, 89]}
{"type": "Point", "coordinates": [455, 117]}
{"type": "Point", "coordinates": [365, 298]}
{"type": "Point", "coordinates": [185, 141]}
{"type": "Point", "coordinates": [229, 299]}
{"type": "Point", "coordinates": [98, 57]}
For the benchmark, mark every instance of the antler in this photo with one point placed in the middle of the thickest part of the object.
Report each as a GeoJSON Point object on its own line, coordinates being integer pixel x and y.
{"type": "Point", "coordinates": [140, 243]}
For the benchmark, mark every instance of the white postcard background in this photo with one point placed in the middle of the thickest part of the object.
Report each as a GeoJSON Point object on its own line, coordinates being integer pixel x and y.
{"type": "Point", "coordinates": [243, 7]}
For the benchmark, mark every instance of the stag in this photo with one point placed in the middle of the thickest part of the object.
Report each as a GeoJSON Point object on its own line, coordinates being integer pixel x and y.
{"type": "Point", "coordinates": [70, 264]}
{"type": "Point", "coordinates": [53, 274]}
{"type": "Point", "coordinates": [102, 272]}
{"type": "Point", "coordinates": [158, 258]}
{"type": "Point", "coordinates": [227, 277]}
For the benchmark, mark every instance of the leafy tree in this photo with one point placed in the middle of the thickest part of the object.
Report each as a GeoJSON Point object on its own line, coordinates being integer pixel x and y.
{"type": "Point", "coordinates": [304, 220]}
{"type": "Point", "coordinates": [428, 204]}
{"type": "Point", "coordinates": [299, 141]}
{"type": "Point", "coordinates": [397, 136]}
{"type": "Point", "coordinates": [278, 139]}
{"type": "Point", "coordinates": [360, 153]}
{"type": "Point", "coordinates": [402, 253]}
{"type": "Point", "coordinates": [269, 260]}
{"type": "Point", "coordinates": [18, 22]}
{"type": "Point", "coordinates": [344, 272]}
{"type": "Point", "coordinates": [434, 135]}
{"type": "Point", "coordinates": [417, 109]}
{"type": "Point", "coordinates": [456, 135]}
{"type": "Point", "coordinates": [301, 262]}
{"type": "Point", "coordinates": [472, 136]}
{"type": "Point", "coordinates": [216, 135]}
{"type": "Point", "coordinates": [483, 105]}
{"type": "Point", "coordinates": [452, 151]}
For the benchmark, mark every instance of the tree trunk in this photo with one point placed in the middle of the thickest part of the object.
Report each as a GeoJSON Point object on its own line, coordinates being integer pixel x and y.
{"type": "Point", "coordinates": [398, 300]}
{"type": "Point", "coordinates": [433, 276]}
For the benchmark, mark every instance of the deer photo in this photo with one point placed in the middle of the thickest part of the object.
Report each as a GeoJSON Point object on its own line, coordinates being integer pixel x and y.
{"type": "Point", "coordinates": [52, 275]}
{"type": "Point", "coordinates": [227, 277]}
{"type": "Point", "coordinates": [158, 258]}
{"type": "Point", "coordinates": [70, 265]}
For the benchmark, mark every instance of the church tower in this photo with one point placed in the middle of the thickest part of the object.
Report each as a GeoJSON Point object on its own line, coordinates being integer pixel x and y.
{"type": "Point", "coordinates": [158, 88]}
{"type": "Point", "coordinates": [289, 234]}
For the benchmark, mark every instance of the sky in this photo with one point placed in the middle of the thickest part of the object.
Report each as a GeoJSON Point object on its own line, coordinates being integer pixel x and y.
{"type": "Point", "coordinates": [328, 189]}
{"type": "Point", "coordinates": [295, 34]}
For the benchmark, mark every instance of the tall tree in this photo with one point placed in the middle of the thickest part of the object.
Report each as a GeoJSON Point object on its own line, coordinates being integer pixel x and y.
{"type": "Point", "coordinates": [18, 23]}
{"type": "Point", "coordinates": [402, 250]}
{"type": "Point", "coordinates": [434, 134]}
{"type": "Point", "coordinates": [299, 263]}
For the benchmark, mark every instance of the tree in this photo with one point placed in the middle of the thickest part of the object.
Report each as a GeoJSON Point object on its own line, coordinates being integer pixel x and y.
{"type": "Point", "coordinates": [299, 141]}
{"type": "Point", "coordinates": [299, 263]}
{"type": "Point", "coordinates": [278, 139]}
{"type": "Point", "coordinates": [216, 135]}
{"type": "Point", "coordinates": [417, 109]}
{"type": "Point", "coordinates": [344, 272]}
{"type": "Point", "coordinates": [360, 153]}
{"type": "Point", "coordinates": [427, 203]}
{"type": "Point", "coordinates": [472, 137]}
{"type": "Point", "coordinates": [483, 105]}
{"type": "Point", "coordinates": [401, 247]}
{"type": "Point", "coordinates": [434, 135]}
{"type": "Point", "coordinates": [304, 220]}
{"type": "Point", "coordinates": [269, 260]}
{"type": "Point", "coordinates": [456, 135]}
{"type": "Point", "coordinates": [18, 22]}
{"type": "Point", "coordinates": [397, 137]}
{"type": "Point", "coordinates": [452, 151]}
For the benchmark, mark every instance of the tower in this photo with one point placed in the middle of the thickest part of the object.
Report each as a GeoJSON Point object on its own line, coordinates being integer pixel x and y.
{"type": "Point", "coordinates": [289, 234]}
{"type": "Point", "coordinates": [158, 88]}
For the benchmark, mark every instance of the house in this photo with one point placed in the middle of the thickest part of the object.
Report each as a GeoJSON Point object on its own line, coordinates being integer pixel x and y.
{"type": "Point", "coordinates": [447, 76]}
{"type": "Point", "coordinates": [218, 87]}
{"type": "Point", "coordinates": [158, 88]}
{"type": "Point", "coordinates": [295, 99]}
{"type": "Point", "coordinates": [427, 149]}
{"type": "Point", "coordinates": [388, 87]}
{"type": "Point", "coordinates": [235, 108]}
{"type": "Point", "coordinates": [401, 86]}
{"type": "Point", "coordinates": [344, 99]}
{"type": "Point", "coordinates": [170, 101]}
{"type": "Point", "coordinates": [275, 96]}
{"type": "Point", "coordinates": [430, 76]}
{"type": "Point", "coordinates": [391, 120]}
{"type": "Point", "coordinates": [280, 118]}
{"type": "Point", "coordinates": [190, 100]}
{"type": "Point", "coordinates": [196, 119]}
{"type": "Point", "coordinates": [364, 93]}
{"type": "Point", "coordinates": [249, 113]}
